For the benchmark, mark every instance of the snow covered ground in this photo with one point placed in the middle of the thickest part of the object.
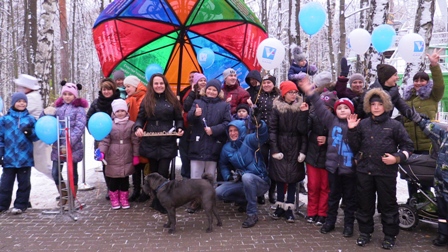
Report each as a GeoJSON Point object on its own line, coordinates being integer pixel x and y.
{"type": "Point", "coordinates": [43, 189]}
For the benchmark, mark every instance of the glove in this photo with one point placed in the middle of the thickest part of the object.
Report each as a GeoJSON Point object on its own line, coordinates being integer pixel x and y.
{"type": "Point", "coordinates": [301, 158]}
{"type": "Point", "coordinates": [278, 156]}
{"type": "Point", "coordinates": [299, 76]}
{"type": "Point", "coordinates": [345, 68]}
{"type": "Point", "coordinates": [135, 160]}
{"type": "Point", "coordinates": [50, 110]}
{"type": "Point", "coordinates": [27, 131]}
{"type": "Point", "coordinates": [99, 156]}
{"type": "Point", "coordinates": [313, 69]}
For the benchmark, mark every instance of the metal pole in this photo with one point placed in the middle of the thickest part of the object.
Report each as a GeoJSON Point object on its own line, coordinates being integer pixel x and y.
{"type": "Point", "coordinates": [84, 186]}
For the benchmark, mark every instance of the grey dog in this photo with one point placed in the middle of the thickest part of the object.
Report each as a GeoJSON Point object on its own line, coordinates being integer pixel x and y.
{"type": "Point", "coordinates": [175, 193]}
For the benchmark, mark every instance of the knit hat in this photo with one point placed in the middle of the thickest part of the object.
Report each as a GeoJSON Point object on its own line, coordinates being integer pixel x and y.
{"type": "Point", "coordinates": [71, 88]}
{"type": "Point", "coordinates": [197, 77]}
{"type": "Point", "coordinates": [215, 83]}
{"type": "Point", "coordinates": [228, 72]}
{"type": "Point", "coordinates": [17, 96]}
{"type": "Point", "coordinates": [298, 54]}
{"type": "Point", "coordinates": [287, 86]}
{"type": "Point", "coordinates": [357, 76]}
{"type": "Point", "coordinates": [384, 72]}
{"type": "Point", "coordinates": [131, 80]}
{"type": "Point", "coordinates": [345, 101]}
{"type": "Point", "coordinates": [329, 98]}
{"type": "Point", "coordinates": [243, 106]}
{"type": "Point", "coordinates": [27, 81]}
{"type": "Point", "coordinates": [119, 104]}
{"type": "Point", "coordinates": [323, 79]}
{"type": "Point", "coordinates": [118, 75]}
{"type": "Point", "coordinates": [271, 78]}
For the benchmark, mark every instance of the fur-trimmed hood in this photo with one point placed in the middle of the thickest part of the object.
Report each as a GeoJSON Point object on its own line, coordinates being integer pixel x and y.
{"type": "Point", "coordinates": [78, 102]}
{"type": "Point", "coordinates": [423, 93]}
{"type": "Point", "coordinates": [283, 106]}
{"type": "Point", "coordinates": [385, 97]}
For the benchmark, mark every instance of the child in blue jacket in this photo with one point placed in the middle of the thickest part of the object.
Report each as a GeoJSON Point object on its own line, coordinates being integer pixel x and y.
{"type": "Point", "coordinates": [16, 154]}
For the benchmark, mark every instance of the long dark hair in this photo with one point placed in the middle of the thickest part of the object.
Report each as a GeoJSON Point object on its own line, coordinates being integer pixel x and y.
{"type": "Point", "coordinates": [150, 98]}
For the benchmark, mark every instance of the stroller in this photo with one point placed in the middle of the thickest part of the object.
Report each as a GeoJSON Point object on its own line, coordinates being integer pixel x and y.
{"type": "Point", "coordinates": [419, 171]}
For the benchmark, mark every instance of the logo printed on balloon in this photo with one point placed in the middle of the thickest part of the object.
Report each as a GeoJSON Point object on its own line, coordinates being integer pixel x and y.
{"type": "Point", "coordinates": [206, 57]}
{"type": "Point", "coordinates": [269, 52]}
{"type": "Point", "coordinates": [411, 47]}
{"type": "Point", "coordinates": [419, 46]}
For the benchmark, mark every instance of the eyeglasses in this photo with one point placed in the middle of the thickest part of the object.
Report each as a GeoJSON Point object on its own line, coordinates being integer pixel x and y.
{"type": "Point", "coordinates": [293, 92]}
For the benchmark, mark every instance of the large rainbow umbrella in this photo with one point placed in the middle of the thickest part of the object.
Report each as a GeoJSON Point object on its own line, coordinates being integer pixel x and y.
{"type": "Point", "coordinates": [133, 34]}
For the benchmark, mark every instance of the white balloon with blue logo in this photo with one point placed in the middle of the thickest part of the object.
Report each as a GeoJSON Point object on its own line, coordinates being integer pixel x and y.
{"type": "Point", "coordinates": [411, 47]}
{"type": "Point", "coordinates": [270, 53]}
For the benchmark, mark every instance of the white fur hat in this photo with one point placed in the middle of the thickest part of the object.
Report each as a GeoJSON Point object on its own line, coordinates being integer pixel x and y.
{"type": "Point", "coordinates": [27, 81]}
{"type": "Point", "coordinates": [131, 80]}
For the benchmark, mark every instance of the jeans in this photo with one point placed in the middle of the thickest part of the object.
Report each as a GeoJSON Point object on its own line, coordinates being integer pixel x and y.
{"type": "Point", "coordinates": [248, 189]}
{"type": "Point", "coordinates": [200, 167]}
{"type": "Point", "coordinates": [55, 172]}
{"type": "Point", "coordinates": [23, 191]}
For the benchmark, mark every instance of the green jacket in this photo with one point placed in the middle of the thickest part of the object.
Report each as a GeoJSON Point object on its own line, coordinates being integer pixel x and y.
{"type": "Point", "coordinates": [426, 102]}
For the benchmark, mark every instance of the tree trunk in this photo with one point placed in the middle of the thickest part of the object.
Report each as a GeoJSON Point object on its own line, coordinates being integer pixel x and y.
{"type": "Point", "coordinates": [360, 61]}
{"type": "Point", "coordinates": [424, 22]}
{"type": "Point", "coordinates": [342, 36]}
{"type": "Point", "coordinates": [64, 58]}
{"type": "Point", "coordinates": [378, 15]}
{"type": "Point", "coordinates": [45, 46]}
{"type": "Point", "coordinates": [330, 11]}
{"type": "Point", "coordinates": [298, 41]}
{"type": "Point", "coordinates": [14, 37]}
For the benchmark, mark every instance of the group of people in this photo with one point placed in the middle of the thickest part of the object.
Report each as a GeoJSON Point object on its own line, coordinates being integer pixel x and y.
{"type": "Point", "coordinates": [262, 139]}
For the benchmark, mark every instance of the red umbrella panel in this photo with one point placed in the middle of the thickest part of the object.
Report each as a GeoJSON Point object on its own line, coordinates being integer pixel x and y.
{"type": "Point", "coordinates": [132, 34]}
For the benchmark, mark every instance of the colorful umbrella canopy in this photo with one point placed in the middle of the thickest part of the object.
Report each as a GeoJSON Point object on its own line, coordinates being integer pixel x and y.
{"type": "Point", "coordinates": [132, 34]}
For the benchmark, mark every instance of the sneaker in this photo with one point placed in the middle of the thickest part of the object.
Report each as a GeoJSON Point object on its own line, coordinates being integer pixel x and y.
{"type": "Point", "coordinates": [326, 228]}
{"type": "Point", "coordinates": [16, 211]}
{"type": "Point", "coordinates": [363, 239]}
{"type": "Point", "coordinates": [278, 213]}
{"type": "Point", "coordinates": [388, 242]}
{"type": "Point", "coordinates": [250, 221]}
{"type": "Point", "coordinates": [348, 231]}
{"type": "Point", "coordinates": [320, 220]}
{"type": "Point", "coordinates": [311, 219]}
{"type": "Point", "coordinates": [289, 215]}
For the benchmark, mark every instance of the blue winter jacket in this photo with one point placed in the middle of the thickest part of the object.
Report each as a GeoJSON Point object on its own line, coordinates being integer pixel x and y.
{"type": "Point", "coordinates": [242, 153]}
{"type": "Point", "coordinates": [16, 149]}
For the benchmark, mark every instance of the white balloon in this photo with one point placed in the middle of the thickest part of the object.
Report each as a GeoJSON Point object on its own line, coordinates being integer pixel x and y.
{"type": "Point", "coordinates": [359, 40]}
{"type": "Point", "coordinates": [411, 47]}
{"type": "Point", "coordinates": [270, 53]}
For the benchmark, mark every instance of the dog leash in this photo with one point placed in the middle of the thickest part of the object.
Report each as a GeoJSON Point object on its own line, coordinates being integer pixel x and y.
{"type": "Point", "coordinates": [162, 185]}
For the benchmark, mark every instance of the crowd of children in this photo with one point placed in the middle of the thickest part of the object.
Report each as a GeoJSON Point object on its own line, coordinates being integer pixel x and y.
{"type": "Point", "coordinates": [261, 138]}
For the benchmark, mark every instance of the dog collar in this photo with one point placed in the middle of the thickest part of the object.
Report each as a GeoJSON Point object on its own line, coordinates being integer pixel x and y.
{"type": "Point", "coordinates": [162, 185]}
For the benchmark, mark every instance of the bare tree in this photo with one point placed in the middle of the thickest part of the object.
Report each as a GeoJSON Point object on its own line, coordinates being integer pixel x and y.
{"type": "Point", "coordinates": [330, 11]}
{"type": "Point", "coordinates": [342, 36]}
{"type": "Point", "coordinates": [64, 58]}
{"type": "Point", "coordinates": [424, 22]}
{"type": "Point", "coordinates": [45, 46]}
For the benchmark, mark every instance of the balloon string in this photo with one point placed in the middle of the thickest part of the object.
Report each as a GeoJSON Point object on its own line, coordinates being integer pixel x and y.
{"type": "Point", "coordinates": [307, 58]}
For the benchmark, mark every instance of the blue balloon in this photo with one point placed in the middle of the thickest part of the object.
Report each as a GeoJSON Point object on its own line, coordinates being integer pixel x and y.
{"type": "Point", "coordinates": [206, 57]}
{"type": "Point", "coordinates": [47, 129]}
{"type": "Point", "coordinates": [383, 37]}
{"type": "Point", "coordinates": [99, 125]}
{"type": "Point", "coordinates": [312, 17]}
{"type": "Point", "coordinates": [152, 69]}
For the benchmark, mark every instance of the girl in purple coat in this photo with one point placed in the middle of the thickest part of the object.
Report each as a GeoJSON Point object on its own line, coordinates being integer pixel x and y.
{"type": "Point", "coordinates": [120, 149]}
{"type": "Point", "coordinates": [68, 105]}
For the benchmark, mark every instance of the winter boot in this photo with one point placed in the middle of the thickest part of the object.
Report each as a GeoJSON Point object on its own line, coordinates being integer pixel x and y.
{"type": "Point", "coordinates": [279, 210]}
{"type": "Point", "coordinates": [289, 214]}
{"type": "Point", "coordinates": [135, 194]}
{"type": "Point", "coordinates": [272, 199]}
{"type": "Point", "coordinates": [114, 201]}
{"type": "Point", "coordinates": [441, 240]}
{"type": "Point", "coordinates": [123, 197]}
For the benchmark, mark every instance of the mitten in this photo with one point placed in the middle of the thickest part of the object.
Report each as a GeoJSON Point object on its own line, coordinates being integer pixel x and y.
{"type": "Point", "coordinates": [313, 69]}
{"type": "Point", "coordinates": [299, 76]}
{"type": "Point", "coordinates": [50, 110]}
{"type": "Point", "coordinates": [278, 156]}
{"type": "Point", "coordinates": [99, 156]}
{"type": "Point", "coordinates": [27, 131]}
{"type": "Point", "coordinates": [301, 158]}
{"type": "Point", "coordinates": [135, 160]}
{"type": "Point", "coordinates": [345, 68]}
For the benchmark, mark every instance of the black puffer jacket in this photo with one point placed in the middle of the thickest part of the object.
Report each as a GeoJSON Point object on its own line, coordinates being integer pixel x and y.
{"type": "Point", "coordinates": [316, 155]}
{"type": "Point", "coordinates": [375, 136]}
{"type": "Point", "coordinates": [288, 128]}
{"type": "Point", "coordinates": [253, 90]}
{"type": "Point", "coordinates": [217, 116]}
{"type": "Point", "coordinates": [165, 117]}
{"type": "Point", "coordinates": [265, 103]}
